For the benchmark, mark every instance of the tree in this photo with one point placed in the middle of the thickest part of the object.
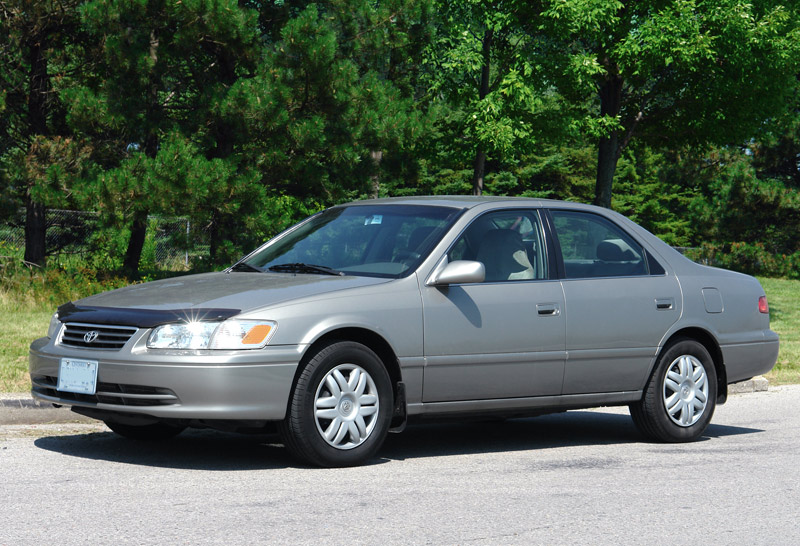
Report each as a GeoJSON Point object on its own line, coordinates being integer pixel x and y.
{"type": "Point", "coordinates": [386, 41]}
{"type": "Point", "coordinates": [318, 109]}
{"type": "Point", "coordinates": [38, 44]}
{"type": "Point", "coordinates": [669, 72]}
{"type": "Point", "coordinates": [482, 67]}
{"type": "Point", "coordinates": [165, 72]}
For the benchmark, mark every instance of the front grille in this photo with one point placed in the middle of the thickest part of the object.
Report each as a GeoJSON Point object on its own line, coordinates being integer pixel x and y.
{"type": "Point", "coordinates": [107, 337]}
{"type": "Point", "coordinates": [108, 393]}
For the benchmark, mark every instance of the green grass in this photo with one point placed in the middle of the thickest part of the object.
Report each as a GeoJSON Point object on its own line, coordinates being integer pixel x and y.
{"type": "Point", "coordinates": [28, 299]}
{"type": "Point", "coordinates": [784, 313]}
{"type": "Point", "coordinates": [20, 324]}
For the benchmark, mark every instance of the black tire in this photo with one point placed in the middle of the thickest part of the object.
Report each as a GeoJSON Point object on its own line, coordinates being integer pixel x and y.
{"type": "Point", "coordinates": [359, 420]}
{"type": "Point", "coordinates": [155, 432]}
{"type": "Point", "coordinates": [668, 411]}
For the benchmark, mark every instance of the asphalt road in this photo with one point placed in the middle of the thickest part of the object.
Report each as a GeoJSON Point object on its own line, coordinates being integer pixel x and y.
{"type": "Point", "coordinates": [574, 478]}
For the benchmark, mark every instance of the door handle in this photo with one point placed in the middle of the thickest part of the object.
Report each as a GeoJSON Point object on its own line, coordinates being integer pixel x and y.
{"type": "Point", "coordinates": [548, 309]}
{"type": "Point", "coordinates": [665, 303]}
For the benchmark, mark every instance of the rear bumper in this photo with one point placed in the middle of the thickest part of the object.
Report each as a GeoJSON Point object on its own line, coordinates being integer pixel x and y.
{"type": "Point", "coordinates": [746, 360]}
{"type": "Point", "coordinates": [191, 385]}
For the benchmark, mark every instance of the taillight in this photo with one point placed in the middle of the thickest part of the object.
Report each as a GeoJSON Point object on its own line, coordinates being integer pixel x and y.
{"type": "Point", "coordinates": [763, 306]}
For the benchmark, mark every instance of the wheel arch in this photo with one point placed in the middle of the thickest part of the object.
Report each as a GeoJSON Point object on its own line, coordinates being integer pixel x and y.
{"type": "Point", "coordinates": [707, 340]}
{"type": "Point", "coordinates": [377, 344]}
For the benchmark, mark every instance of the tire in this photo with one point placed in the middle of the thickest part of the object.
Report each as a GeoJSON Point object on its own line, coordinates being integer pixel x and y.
{"type": "Point", "coordinates": [155, 432]}
{"type": "Point", "coordinates": [680, 397]}
{"type": "Point", "coordinates": [341, 407]}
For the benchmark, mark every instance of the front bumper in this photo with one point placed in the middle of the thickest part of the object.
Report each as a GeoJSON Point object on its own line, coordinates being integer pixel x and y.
{"type": "Point", "coordinates": [187, 385]}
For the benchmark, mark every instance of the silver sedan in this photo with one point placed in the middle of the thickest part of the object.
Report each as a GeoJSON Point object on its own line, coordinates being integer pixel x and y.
{"type": "Point", "coordinates": [369, 314]}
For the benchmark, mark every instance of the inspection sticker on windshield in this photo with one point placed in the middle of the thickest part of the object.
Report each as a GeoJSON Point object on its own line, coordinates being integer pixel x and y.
{"type": "Point", "coordinates": [374, 219]}
{"type": "Point", "coordinates": [79, 376]}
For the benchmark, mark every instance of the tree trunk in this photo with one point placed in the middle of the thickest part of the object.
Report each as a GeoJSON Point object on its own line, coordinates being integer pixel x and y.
{"type": "Point", "coordinates": [479, 166]}
{"type": "Point", "coordinates": [135, 245]}
{"type": "Point", "coordinates": [377, 156]}
{"type": "Point", "coordinates": [215, 233]}
{"type": "Point", "coordinates": [35, 231]}
{"type": "Point", "coordinates": [608, 150]}
{"type": "Point", "coordinates": [133, 254]}
{"type": "Point", "coordinates": [478, 171]}
{"type": "Point", "coordinates": [607, 157]}
{"type": "Point", "coordinates": [38, 105]}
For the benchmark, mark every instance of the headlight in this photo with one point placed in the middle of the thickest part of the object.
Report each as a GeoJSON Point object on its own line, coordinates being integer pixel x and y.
{"type": "Point", "coordinates": [55, 326]}
{"type": "Point", "coordinates": [227, 335]}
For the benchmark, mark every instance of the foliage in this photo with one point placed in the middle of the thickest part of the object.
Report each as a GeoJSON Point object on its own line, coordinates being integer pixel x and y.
{"type": "Point", "coordinates": [670, 72]}
{"type": "Point", "coordinates": [648, 195]}
{"type": "Point", "coordinates": [246, 116]}
{"type": "Point", "coordinates": [744, 222]}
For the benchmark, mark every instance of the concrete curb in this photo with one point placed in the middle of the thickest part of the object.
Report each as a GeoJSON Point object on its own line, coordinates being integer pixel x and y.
{"type": "Point", "coordinates": [22, 409]}
{"type": "Point", "coordinates": [757, 384]}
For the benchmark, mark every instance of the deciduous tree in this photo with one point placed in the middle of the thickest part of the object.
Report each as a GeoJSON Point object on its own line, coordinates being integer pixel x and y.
{"type": "Point", "coordinates": [670, 72]}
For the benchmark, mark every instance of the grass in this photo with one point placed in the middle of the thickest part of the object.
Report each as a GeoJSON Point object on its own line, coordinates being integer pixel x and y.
{"type": "Point", "coordinates": [784, 313]}
{"type": "Point", "coordinates": [20, 323]}
{"type": "Point", "coordinates": [28, 299]}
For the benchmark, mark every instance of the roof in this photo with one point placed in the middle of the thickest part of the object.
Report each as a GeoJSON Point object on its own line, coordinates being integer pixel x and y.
{"type": "Point", "coordinates": [460, 201]}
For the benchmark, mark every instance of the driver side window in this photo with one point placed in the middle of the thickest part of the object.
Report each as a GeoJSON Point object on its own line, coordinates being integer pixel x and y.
{"type": "Point", "coordinates": [508, 243]}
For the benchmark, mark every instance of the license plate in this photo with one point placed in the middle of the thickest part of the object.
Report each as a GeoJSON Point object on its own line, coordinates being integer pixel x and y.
{"type": "Point", "coordinates": [79, 376]}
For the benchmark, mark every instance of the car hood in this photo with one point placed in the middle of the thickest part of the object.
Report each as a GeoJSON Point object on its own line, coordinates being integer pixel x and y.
{"type": "Point", "coordinates": [223, 291]}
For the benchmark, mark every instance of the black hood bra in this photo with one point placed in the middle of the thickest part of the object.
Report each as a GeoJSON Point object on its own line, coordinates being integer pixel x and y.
{"type": "Point", "coordinates": [141, 318]}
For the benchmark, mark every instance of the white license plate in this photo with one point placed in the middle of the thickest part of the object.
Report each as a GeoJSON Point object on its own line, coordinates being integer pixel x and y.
{"type": "Point", "coordinates": [79, 376]}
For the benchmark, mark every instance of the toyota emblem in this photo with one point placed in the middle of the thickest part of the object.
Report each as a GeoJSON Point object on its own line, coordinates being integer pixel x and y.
{"type": "Point", "coordinates": [90, 336]}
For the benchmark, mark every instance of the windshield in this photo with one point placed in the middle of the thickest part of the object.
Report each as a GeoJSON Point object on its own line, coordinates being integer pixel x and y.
{"type": "Point", "coordinates": [370, 240]}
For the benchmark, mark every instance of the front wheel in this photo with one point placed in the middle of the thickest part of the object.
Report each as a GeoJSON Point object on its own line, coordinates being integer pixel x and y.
{"type": "Point", "coordinates": [341, 407]}
{"type": "Point", "coordinates": [681, 395]}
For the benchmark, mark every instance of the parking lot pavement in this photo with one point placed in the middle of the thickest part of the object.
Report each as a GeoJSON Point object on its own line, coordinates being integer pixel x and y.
{"type": "Point", "coordinates": [578, 477]}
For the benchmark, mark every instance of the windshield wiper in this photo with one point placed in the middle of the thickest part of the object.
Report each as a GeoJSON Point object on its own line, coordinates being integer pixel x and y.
{"type": "Point", "coordinates": [304, 268]}
{"type": "Point", "coordinates": [243, 266]}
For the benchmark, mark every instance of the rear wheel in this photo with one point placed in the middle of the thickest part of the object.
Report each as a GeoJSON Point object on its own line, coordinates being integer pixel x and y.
{"type": "Point", "coordinates": [150, 433]}
{"type": "Point", "coordinates": [341, 407]}
{"type": "Point", "coordinates": [681, 395]}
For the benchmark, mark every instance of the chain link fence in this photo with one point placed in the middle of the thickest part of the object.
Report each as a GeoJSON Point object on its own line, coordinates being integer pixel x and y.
{"type": "Point", "coordinates": [173, 242]}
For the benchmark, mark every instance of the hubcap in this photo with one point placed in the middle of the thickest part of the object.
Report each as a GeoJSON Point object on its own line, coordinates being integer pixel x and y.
{"type": "Point", "coordinates": [346, 406]}
{"type": "Point", "coordinates": [685, 390]}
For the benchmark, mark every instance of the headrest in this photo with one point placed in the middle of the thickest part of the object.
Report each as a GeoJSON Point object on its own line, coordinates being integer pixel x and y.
{"type": "Point", "coordinates": [615, 250]}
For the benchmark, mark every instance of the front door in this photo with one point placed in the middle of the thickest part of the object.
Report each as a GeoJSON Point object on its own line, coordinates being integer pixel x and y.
{"type": "Point", "coordinates": [505, 337]}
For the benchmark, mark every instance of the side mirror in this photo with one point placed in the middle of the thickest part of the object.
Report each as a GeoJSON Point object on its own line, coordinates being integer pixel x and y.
{"type": "Point", "coordinates": [460, 272]}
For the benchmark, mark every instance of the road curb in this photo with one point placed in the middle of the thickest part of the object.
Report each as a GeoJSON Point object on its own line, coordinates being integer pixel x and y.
{"type": "Point", "coordinates": [757, 384]}
{"type": "Point", "coordinates": [22, 409]}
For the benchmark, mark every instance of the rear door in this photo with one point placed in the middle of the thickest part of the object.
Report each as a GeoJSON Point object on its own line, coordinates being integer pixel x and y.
{"type": "Point", "coordinates": [619, 304]}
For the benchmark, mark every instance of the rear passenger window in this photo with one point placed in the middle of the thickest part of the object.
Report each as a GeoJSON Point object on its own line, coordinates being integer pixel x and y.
{"type": "Point", "coordinates": [591, 246]}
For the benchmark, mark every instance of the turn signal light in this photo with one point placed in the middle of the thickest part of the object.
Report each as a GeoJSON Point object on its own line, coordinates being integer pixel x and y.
{"type": "Point", "coordinates": [763, 306]}
{"type": "Point", "coordinates": [256, 335]}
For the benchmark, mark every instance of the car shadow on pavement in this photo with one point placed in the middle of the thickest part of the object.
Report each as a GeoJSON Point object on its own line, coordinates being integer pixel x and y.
{"type": "Point", "coordinates": [574, 428]}
{"type": "Point", "coordinates": [220, 451]}
{"type": "Point", "coordinates": [191, 450]}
